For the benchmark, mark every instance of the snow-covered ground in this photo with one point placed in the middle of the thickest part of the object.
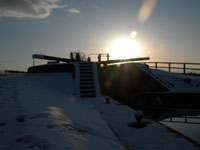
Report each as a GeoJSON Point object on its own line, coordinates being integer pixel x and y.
{"type": "Point", "coordinates": [152, 137]}
{"type": "Point", "coordinates": [39, 111]}
{"type": "Point", "coordinates": [42, 112]}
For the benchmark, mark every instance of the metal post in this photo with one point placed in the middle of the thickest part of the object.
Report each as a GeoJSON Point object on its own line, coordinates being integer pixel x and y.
{"type": "Point", "coordinates": [78, 57]}
{"type": "Point", "coordinates": [33, 62]}
{"type": "Point", "coordinates": [184, 66]}
{"type": "Point", "coordinates": [169, 67]}
{"type": "Point", "coordinates": [99, 58]}
{"type": "Point", "coordinates": [156, 65]}
{"type": "Point", "coordinates": [71, 56]}
{"type": "Point", "coordinates": [108, 57]}
{"type": "Point", "coordinates": [185, 119]}
{"type": "Point", "coordinates": [171, 119]}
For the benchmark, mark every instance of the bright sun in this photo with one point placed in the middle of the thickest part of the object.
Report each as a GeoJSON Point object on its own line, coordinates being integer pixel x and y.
{"type": "Point", "coordinates": [124, 48]}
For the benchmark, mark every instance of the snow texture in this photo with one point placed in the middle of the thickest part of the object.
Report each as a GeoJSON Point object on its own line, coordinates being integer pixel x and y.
{"type": "Point", "coordinates": [42, 112]}
{"type": "Point", "coordinates": [152, 137]}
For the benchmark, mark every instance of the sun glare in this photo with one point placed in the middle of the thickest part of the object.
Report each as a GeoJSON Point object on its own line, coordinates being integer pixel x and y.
{"type": "Point", "coordinates": [124, 48]}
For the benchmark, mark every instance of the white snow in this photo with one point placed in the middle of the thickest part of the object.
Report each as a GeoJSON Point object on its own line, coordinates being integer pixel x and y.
{"type": "Point", "coordinates": [152, 137]}
{"type": "Point", "coordinates": [54, 118]}
{"type": "Point", "coordinates": [42, 111]}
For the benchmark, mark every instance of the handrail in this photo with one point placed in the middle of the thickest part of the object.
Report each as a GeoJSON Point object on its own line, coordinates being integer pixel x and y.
{"type": "Point", "coordinates": [170, 66]}
{"type": "Point", "coordinates": [162, 62]}
{"type": "Point", "coordinates": [186, 119]}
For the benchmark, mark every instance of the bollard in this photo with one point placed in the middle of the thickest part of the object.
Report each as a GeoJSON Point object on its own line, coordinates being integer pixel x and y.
{"type": "Point", "coordinates": [89, 59]}
{"type": "Point", "coordinates": [138, 117]}
{"type": "Point", "coordinates": [107, 100]}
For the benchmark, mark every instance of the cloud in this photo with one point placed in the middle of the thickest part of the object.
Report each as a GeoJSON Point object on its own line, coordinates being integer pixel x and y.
{"type": "Point", "coordinates": [74, 10]}
{"type": "Point", "coordinates": [29, 8]}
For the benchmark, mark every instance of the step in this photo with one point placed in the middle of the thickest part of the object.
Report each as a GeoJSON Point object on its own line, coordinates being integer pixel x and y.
{"type": "Point", "coordinates": [86, 72]}
{"type": "Point", "coordinates": [87, 79]}
{"type": "Point", "coordinates": [86, 83]}
{"type": "Point", "coordinates": [86, 76]}
{"type": "Point", "coordinates": [88, 95]}
{"type": "Point", "coordinates": [85, 63]}
{"type": "Point", "coordinates": [87, 91]}
{"type": "Point", "coordinates": [82, 66]}
{"type": "Point", "coordinates": [87, 87]}
{"type": "Point", "coordinates": [85, 68]}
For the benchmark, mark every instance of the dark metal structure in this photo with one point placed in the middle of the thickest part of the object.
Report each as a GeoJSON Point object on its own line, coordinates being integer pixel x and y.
{"type": "Point", "coordinates": [78, 58]}
{"type": "Point", "coordinates": [124, 60]}
{"type": "Point", "coordinates": [45, 57]}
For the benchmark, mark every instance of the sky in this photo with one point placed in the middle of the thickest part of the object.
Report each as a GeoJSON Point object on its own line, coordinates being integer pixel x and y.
{"type": "Point", "coordinates": [165, 30]}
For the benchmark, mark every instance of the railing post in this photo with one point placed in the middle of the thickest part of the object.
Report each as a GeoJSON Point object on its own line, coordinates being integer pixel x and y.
{"type": "Point", "coordinates": [99, 58]}
{"type": "Point", "coordinates": [185, 119]}
{"type": "Point", "coordinates": [108, 57]}
{"type": "Point", "coordinates": [184, 66]}
{"type": "Point", "coordinates": [169, 67]}
{"type": "Point", "coordinates": [156, 65]}
{"type": "Point", "coordinates": [33, 62]}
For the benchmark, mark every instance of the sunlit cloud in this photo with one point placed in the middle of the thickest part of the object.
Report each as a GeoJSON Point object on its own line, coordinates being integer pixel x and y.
{"type": "Point", "coordinates": [146, 10]}
{"type": "Point", "coordinates": [29, 8]}
{"type": "Point", "coordinates": [74, 10]}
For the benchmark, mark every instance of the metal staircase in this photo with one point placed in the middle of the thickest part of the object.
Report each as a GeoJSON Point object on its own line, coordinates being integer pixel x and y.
{"type": "Point", "coordinates": [87, 83]}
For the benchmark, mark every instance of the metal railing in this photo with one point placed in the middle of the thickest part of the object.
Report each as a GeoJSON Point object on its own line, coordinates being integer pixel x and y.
{"type": "Point", "coordinates": [184, 119]}
{"type": "Point", "coordinates": [171, 66]}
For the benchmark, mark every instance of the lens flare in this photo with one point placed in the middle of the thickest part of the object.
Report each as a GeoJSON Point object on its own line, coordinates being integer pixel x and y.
{"type": "Point", "coordinates": [133, 34]}
{"type": "Point", "coordinates": [146, 10]}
